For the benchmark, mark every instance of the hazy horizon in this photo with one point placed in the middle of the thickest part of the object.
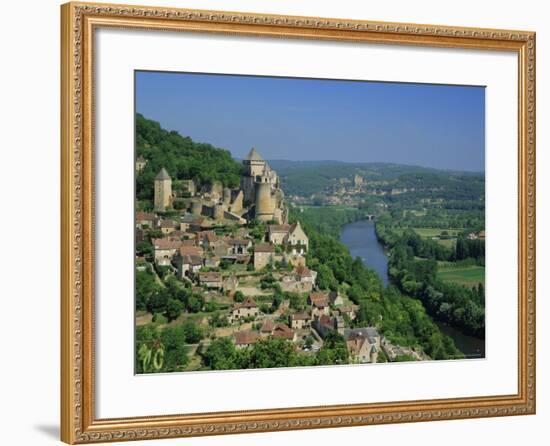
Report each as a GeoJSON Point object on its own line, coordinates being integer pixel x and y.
{"type": "Point", "coordinates": [292, 119]}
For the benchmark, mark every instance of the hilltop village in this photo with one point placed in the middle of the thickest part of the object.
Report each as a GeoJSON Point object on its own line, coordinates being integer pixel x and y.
{"type": "Point", "coordinates": [232, 253]}
{"type": "Point", "coordinates": [353, 190]}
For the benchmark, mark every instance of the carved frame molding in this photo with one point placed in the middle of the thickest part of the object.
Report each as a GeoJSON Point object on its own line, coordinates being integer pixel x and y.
{"type": "Point", "coordinates": [79, 20]}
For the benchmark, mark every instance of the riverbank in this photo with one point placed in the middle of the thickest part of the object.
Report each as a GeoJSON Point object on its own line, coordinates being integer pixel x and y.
{"type": "Point", "coordinates": [361, 239]}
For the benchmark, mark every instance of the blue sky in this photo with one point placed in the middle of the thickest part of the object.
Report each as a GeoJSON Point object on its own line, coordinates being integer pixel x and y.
{"type": "Point", "coordinates": [439, 126]}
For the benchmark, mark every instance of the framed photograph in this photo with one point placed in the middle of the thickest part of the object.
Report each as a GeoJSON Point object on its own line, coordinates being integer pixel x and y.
{"type": "Point", "coordinates": [274, 223]}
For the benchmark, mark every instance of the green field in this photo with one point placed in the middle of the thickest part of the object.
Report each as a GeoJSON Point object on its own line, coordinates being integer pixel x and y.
{"type": "Point", "coordinates": [434, 234]}
{"type": "Point", "coordinates": [468, 275]}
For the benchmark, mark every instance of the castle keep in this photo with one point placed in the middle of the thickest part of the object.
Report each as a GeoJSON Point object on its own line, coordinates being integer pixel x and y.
{"type": "Point", "coordinates": [261, 191]}
{"type": "Point", "coordinates": [258, 197]}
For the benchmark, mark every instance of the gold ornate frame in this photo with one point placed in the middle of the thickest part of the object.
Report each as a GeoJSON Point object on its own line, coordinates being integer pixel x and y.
{"type": "Point", "coordinates": [78, 423]}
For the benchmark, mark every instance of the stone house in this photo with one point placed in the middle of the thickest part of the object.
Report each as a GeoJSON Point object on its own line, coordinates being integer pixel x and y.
{"type": "Point", "coordinates": [165, 249]}
{"type": "Point", "coordinates": [185, 221]}
{"type": "Point", "coordinates": [298, 239]}
{"type": "Point", "coordinates": [319, 304]}
{"type": "Point", "coordinates": [239, 246]}
{"type": "Point", "coordinates": [145, 219]}
{"type": "Point", "coordinates": [188, 264]}
{"type": "Point", "coordinates": [305, 275]}
{"type": "Point", "coordinates": [289, 284]}
{"type": "Point", "coordinates": [363, 344]}
{"type": "Point", "coordinates": [245, 338]}
{"type": "Point", "coordinates": [207, 239]}
{"type": "Point", "coordinates": [167, 226]}
{"type": "Point", "coordinates": [335, 298]}
{"type": "Point", "coordinates": [299, 321]}
{"type": "Point", "coordinates": [277, 234]}
{"type": "Point", "coordinates": [211, 280]}
{"type": "Point", "coordinates": [247, 308]}
{"type": "Point", "coordinates": [292, 235]}
{"type": "Point", "coordinates": [301, 280]}
{"type": "Point", "coordinates": [264, 254]}
{"type": "Point", "coordinates": [349, 311]}
{"type": "Point", "coordinates": [284, 331]}
{"type": "Point", "coordinates": [140, 163]}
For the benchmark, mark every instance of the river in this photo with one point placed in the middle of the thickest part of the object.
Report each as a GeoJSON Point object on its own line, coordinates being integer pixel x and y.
{"type": "Point", "coordinates": [360, 238]}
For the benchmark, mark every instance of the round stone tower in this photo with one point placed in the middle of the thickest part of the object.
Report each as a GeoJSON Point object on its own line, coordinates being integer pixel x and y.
{"type": "Point", "coordinates": [265, 202]}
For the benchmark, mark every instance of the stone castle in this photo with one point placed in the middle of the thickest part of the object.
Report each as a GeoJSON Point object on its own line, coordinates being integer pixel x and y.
{"type": "Point", "coordinates": [258, 197]}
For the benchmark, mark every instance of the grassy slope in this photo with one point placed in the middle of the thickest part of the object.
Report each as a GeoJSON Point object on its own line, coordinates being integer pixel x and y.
{"type": "Point", "coordinates": [468, 276]}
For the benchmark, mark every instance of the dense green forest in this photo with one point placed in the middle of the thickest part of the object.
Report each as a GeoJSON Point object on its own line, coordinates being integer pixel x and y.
{"type": "Point", "coordinates": [182, 157]}
{"type": "Point", "coordinates": [329, 220]}
{"type": "Point", "coordinates": [402, 319]}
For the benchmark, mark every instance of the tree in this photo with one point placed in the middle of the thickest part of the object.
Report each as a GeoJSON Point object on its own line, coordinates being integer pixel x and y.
{"type": "Point", "coordinates": [145, 288]}
{"type": "Point", "coordinates": [334, 350]}
{"type": "Point", "coordinates": [173, 309]}
{"type": "Point", "coordinates": [158, 301]}
{"type": "Point", "coordinates": [195, 303]}
{"type": "Point", "coordinates": [145, 249]}
{"type": "Point", "coordinates": [325, 278]}
{"type": "Point", "coordinates": [175, 357]}
{"type": "Point", "coordinates": [238, 296]}
{"type": "Point", "coordinates": [221, 355]}
{"type": "Point", "coordinates": [193, 332]}
{"type": "Point", "coordinates": [267, 353]}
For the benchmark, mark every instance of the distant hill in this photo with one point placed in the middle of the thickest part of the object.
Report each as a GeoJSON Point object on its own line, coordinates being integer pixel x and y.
{"type": "Point", "coordinates": [309, 177]}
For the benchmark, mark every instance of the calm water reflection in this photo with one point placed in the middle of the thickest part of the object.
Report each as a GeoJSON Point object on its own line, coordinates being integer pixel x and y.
{"type": "Point", "coordinates": [360, 238]}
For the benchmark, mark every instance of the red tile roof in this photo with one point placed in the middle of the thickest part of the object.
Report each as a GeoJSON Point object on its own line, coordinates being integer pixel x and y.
{"type": "Point", "coordinates": [279, 228]}
{"type": "Point", "coordinates": [246, 337]}
{"type": "Point", "coordinates": [319, 299]}
{"type": "Point", "coordinates": [264, 247]}
{"type": "Point", "coordinates": [190, 250]}
{"type": "Point", "coordinates": [144, 216]}
{"type": "Point", "coordinates": [166, 243]}
{"type": "Point", "coordinates": [267, 326]}
{"type": "Point", "coordinates": [247, 303]}
{"type": "Point", "coordinates": [302, 271]}
{"type": "Point", "coordinates": [283, 331]}
{"type": "Point", "coordinates": [210, 277]}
